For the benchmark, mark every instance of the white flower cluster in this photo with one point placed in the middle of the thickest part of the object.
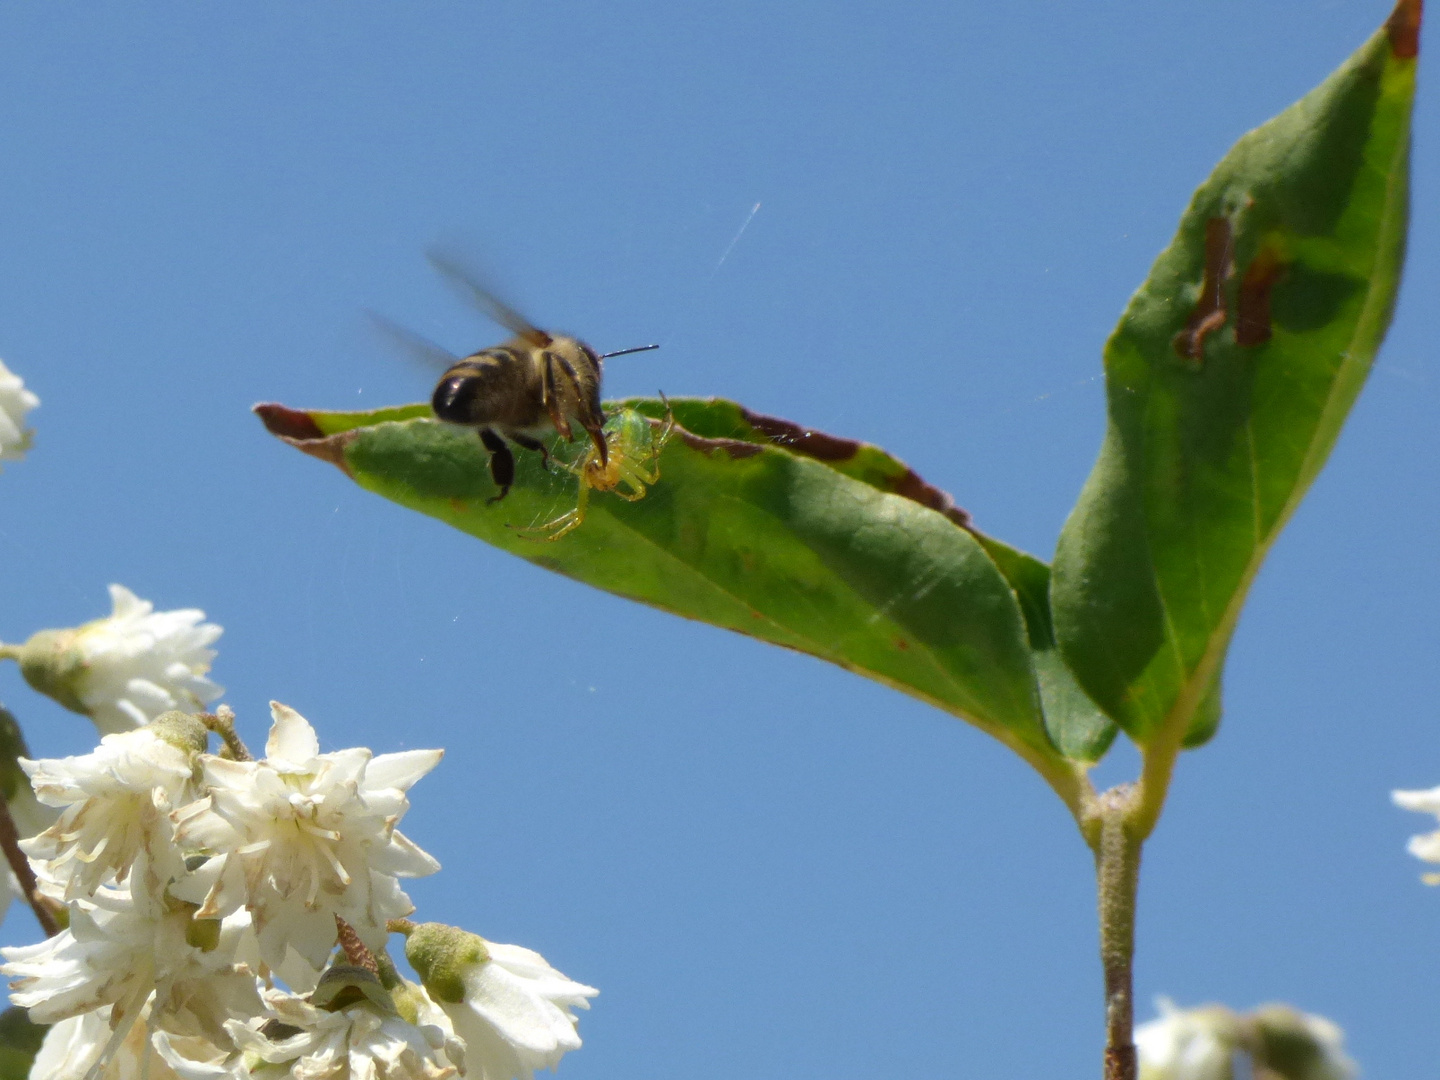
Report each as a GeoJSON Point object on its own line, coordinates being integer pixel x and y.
{"type": "Point", "coordinates": [206, 896]}
{"type": "Point", "coordinates": [15, 402]}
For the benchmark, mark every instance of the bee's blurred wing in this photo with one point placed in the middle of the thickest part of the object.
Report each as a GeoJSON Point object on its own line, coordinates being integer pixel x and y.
{"type": "Point", "coordinates": [465, 281]}
{"type": "Point", "coordinates": [412, 344]}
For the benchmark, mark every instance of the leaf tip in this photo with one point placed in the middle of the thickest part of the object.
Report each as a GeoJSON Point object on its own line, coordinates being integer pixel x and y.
{"type": "Point", "coordinates": [299, 429]}
{"type": "Point", "coordinates": [287, 423]}
{"type": "Point", "coordinates": [1403, 27]}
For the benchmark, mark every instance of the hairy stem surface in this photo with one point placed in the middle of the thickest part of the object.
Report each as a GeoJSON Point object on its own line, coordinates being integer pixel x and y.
{"type": "Point", "coordinates": [1117, 878]}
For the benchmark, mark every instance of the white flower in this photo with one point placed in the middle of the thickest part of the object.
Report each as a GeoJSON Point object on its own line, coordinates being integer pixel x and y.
{"type": "Point", "coordinates": [118, 951]}
{"type": "Point", "coordinates": [116, 801]}
{"type": "Point", "coordinates": [126, 669]}
{"type": "Point", "coordinates": [302, 837]}
{"type": "Point", "coordinates": [15, 402]}
{"type": "Point", "coordinates": [1190, 1044]}
{"type": "Point", "coordinates": [514, 1012]}
{"type": "Point", "coordinates": [1426, 847]}
{"type": "Point", "coordinates": [72, 1047]}
{"type": "Point", "coordinates": [364, 1040]}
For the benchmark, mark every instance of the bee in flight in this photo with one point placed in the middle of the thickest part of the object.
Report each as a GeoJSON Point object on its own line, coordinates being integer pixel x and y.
{"type": "Point", "coordinates": [520, 391]}
{"type": "Point", "coordinates": [630, 463]}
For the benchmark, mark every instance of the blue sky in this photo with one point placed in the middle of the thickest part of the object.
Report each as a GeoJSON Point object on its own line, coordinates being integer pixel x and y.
{"type": "Point", "coordinates": [771, 868]}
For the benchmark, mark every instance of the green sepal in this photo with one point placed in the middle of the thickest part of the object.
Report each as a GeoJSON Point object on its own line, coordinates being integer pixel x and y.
{"type": "Point", "coordinates": [344, 985]}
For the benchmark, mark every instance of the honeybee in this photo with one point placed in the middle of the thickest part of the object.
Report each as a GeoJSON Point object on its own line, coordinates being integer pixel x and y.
{"type": "Point", "coordinates": [520, 391]}
{"type": "Point", "coordinates": [631, 462]}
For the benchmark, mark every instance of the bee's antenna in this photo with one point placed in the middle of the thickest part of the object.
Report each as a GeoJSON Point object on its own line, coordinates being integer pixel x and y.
{"type": "Point", "coordinates": [627, 352]}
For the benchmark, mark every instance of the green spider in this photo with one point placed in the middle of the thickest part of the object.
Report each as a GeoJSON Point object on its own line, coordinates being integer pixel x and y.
{"type": "Point", "coordinates": [631, 464]}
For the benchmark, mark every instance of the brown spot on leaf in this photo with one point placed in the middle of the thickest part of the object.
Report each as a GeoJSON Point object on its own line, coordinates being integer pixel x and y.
{"type": "Point", "coordinates": [1209, 313]}
{"type": "Point", "coordinates": [912, 487]}
{"type": "Point", "coordinates": [811, 443]}
{"type": "Point", "coordinates": [902, 644]}
{"type": "Point", "coordinates": [1252, 310]}
{"type": "Point", "coordinates": [288, 423]}
{"type": "Point", "coordinates": [1403, 26]}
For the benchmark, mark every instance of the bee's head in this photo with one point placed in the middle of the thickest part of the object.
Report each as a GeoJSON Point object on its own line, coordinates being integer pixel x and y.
{"type": "Point", "coordinates": [455, 398]}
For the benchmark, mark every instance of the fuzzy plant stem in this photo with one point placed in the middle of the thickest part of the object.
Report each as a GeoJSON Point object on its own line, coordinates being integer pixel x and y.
{"type": "Point", "coordinates": [1117, 877]}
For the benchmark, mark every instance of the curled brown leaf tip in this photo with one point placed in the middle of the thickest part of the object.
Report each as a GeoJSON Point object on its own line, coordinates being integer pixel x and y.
{"type": "Point", "coordinates": [1209, 313]}
{"type": "Point", "coordinates": [811, 443]}
{"type": "Point", "coordinates": [288, 423]}
{"type": "Point", "coordinates": [1403, 26]}
{"type": "Point", "coordinates": [1252, 309]}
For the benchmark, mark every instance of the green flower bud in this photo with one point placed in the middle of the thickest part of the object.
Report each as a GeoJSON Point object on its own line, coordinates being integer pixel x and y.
{"type": "Point", "coordinates": [441, 955]}
{"type": "Point", "coordinates": [53, 665]}
{"type": "Point", "coordinates": [182, 731]}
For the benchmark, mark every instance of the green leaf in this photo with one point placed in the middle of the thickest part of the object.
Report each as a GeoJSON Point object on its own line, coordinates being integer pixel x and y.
{"type": "Point", "coordinates": [1076, 725]}
{"type": "Point", "coordinates": [20, 1041]}
{"type": "Point", "coordinates": [1228, 380]}
{"type": "Point", "coordinates": [789, 535]}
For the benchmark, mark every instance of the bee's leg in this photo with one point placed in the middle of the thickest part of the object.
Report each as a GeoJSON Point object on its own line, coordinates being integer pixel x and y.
{"type": "Point", "coordinates": [597, 435]}
{"type": "Point", "coordinates": [533, 444]}
{"type": "Point", "coordinates": [553, 404]}
{"type": "Point", "coordinates": [502, 463]}
{"type": "Point", "coordinates": [592, 416]}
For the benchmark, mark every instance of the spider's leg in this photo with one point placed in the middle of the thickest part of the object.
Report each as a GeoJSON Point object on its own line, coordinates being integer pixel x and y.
{"type": "Point", "coordinates": [565, 523]}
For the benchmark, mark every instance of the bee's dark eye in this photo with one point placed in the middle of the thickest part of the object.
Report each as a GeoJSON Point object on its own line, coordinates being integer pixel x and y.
{"type": "Point", "coordinates": [454, 399]}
